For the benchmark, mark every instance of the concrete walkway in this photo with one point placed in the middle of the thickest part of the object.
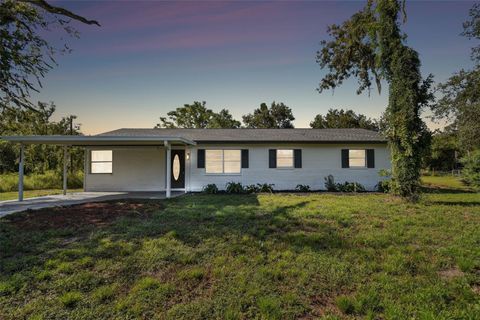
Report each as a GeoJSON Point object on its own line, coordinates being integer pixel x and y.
{"type": "Point", "coordinates": [12, 206]}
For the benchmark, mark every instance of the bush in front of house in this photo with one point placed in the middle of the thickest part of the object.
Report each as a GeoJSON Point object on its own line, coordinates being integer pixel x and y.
{"type": "Point", "coordinates": [384, 185]}
{"type": "Point", "coordinates": [265, 187]}
{"type": "Point", "coordinates": [330, 184]}
{"type": "Point", "coordinates": [252, 188]}
{"type": "Point", "coordinates": [234, 187]}
{"type": "Point", "coordinates": [302, 188]}
{"type": "Point", "coordinates": [210, 188]}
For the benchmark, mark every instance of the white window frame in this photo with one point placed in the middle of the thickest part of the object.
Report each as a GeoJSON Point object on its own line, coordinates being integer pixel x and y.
{"type": "Point", "coordinates": [223, 162]}
{"type": "Point", "coordinates": [92, 161]}
{"type": "Point", "coordinates": [364, 159]}
{"type": "Point", "coordinates": [293, 159]}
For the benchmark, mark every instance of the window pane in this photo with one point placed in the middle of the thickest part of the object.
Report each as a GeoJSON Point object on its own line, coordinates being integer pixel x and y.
{"type": "Point", "coordinates": [213, 161]}
{"type": "Point", "coordinates": [284, 158]}
{"type": "Point", "coordinates": [232, 166]}
{"type": "Point", "coordinates": [232, 155]}
{"type": "Point", "coordinates": [101, 167]}
{"type": "Point", "coordinates": [357, 158]}
{"type": "Point", "coordinates": [101, 155]}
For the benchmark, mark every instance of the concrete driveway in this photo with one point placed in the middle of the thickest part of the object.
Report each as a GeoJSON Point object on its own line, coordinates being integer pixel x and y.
{"type": "Point", "coordinates": [12, 206]}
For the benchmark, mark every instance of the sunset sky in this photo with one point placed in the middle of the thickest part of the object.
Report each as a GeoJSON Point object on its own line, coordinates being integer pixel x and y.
{"type": "Point", "coordinates": [150, 57]}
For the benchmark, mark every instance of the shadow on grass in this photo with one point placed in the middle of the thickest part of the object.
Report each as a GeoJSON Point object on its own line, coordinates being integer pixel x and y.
{"type": "Point", "coordinates": [456, 203]}
{"type": "Point", "coordinates": [191, 219]}
{"type": "Point", "coordinates": [439, 190]}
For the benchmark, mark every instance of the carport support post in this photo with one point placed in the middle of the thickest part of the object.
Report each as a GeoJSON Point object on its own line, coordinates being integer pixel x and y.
{"type": "Point", "coordinates": [65, 166]}
{"type": "Point", "coordinates": [20, 172]}
{"type": "Point", "coordinates": [169, 168]}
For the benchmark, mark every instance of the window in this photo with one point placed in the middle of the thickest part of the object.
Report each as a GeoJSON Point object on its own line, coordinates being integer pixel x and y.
{"type": "Point", "coordinates": [223, 161]}
{"type": "Point", "coordinates": [357, 158]}
{"type": "Point", "coordinates": [101, 161]}
{"type": "Point", "coordinates": [285, 158]}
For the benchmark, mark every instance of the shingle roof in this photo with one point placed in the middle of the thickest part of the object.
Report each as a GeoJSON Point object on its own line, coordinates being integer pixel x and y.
{"type": "Point", "coordinates": [257, 135]}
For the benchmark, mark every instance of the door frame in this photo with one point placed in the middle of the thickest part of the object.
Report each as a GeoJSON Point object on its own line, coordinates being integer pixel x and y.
{"type": "Point", "coordinates": [179, 148]}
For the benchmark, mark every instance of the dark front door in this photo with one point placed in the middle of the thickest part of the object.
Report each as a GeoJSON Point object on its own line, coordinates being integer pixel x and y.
{"type": "Point", "coordinates": [178, 169]}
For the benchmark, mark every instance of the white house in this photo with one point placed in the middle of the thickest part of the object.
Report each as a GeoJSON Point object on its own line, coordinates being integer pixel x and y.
{"type": "Point", "coordinates": [188, 159]}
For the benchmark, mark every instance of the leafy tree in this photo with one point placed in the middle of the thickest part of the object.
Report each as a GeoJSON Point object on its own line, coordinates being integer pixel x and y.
{"type": "Point", "coordinates": [343, 119]}
{"type": "Point", "coordinates": [223, 119]}
{"type": "Point", "coordinates": [25, 54]}
{"type": "Point", "coordinates": [471, 169]}
{"type": "Point", "coordinates": [277, 116]}
{"type": "Point", "coordinates": [39, 158]}
{"type": "Point", "coordinates": [444, 150]}
{"type": "Point", "coordinates": [197, 115]}
{"type": "Point", "coordinates": [460, 101]}
{"type": "Point", "coordinates": [371, 47]}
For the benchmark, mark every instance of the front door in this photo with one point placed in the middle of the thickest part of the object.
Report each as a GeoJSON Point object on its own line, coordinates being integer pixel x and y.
{"type": "Point", "coordinates": [178, 169]}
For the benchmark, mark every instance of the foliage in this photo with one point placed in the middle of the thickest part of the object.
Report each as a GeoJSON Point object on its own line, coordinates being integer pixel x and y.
{"type": "Point", "coordinates": [330, 184]}
{"type": "Point", "coordinates": [343, 119]}
{"type": "Point", "coordinates": [197, 115]}
{"type": "Point", "coordinates": [460, 104]}
{"type": "Point", "coordinates": [265, 187]}
{"type": "Point", "coordinates": [302, 188]}
{"type": "Point", "coordinates": [277, 116]}
{"type": "Point", "coordinates": [38, 158]}
{"type": "Point", "coordinates": [37, 181]}
{"type": "Point", "coordinates": [471, 29]}
{"type": "Point", "coordinates": [251, 188]}
{"type": "Point", "coordinates": [267, 255]}
{"type": "Point", "coordinates": [471, 168]}
{"type": "Point", "coordinates": [371, 47]}
{"type": "Point", "coordinates": [385, 184]}
{"type": "Point", "coordinates": [210, 188]}
{"type": "Point", "coordinates": [350, 187]}
{"type": "Point", "coordinates": [445, 151]}
{"type": "Point", "coordinates": [26, 55]}
{"type": "Point", "coordinates": [234, 187]}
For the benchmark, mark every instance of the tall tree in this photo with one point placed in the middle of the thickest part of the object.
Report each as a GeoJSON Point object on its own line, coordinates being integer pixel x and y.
{"type": "Point", "coordinates": [371, 47]}
{"type": "Point", "coordinates": [343, 119]}
{"type": "Point", "coordinates": [460, 101]}
{"type": "Point", "coordinates": [25, 54]}
{"type": "Point", "coordinates": [278, 116]}
{"type": "Point", "coordinates": [197, 115]}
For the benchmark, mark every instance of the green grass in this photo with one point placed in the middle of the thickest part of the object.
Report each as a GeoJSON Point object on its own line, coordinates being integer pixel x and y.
{"type": "Point", "coordinates": [444, 182]}
{"type": "Point", "coordinates": [279, 256]}
{"type": "Point", "coordinates": [12, 195]}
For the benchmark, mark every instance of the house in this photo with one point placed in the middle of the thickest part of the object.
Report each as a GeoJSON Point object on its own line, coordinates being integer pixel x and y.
{"type": "Point", "coordinates": [189, 159]}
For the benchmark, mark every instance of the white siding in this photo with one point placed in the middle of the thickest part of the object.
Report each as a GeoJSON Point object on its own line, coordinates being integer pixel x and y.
{"type": "Point", "coordinates": [318, 161]}
{"type": "Point", "coordinates": [134, 169]}
{"type": "Point", "coordinates": [143, 168]}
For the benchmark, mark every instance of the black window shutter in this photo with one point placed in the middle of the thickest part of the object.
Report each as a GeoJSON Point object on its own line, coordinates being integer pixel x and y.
{"type": "Point", "coordinates": [297, 154]}
{"type": "Point", "coordinates": [244, 158]}
{"type": "Point", "coordinates": [370, 158]}
{"type": "Point", "coordinates": [272, 158]}
{"type": "Point", "coordinates": [201, 158]}
{"type": "Point", "coordinates": [345, 161]}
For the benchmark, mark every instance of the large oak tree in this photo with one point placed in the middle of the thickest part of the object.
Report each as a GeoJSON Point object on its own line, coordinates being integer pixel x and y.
{"type": "Point", "coordinates": [371, 47]}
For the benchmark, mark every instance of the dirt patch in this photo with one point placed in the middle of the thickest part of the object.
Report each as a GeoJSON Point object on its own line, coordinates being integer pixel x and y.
{"type": "Point", "coordinates": [88, 214]}
{"type": "Point", "coordinates": [448, 274]}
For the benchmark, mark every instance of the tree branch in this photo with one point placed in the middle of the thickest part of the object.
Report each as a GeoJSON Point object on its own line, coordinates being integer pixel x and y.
{"type": "Point", "coordinates": [57, 10]}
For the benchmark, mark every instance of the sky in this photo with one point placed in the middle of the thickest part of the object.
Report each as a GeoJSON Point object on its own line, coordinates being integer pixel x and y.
{"type": "Point", "coordinates": [150, 57]}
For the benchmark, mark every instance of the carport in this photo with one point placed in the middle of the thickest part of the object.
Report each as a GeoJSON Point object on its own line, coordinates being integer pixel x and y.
{"type": "Point", "coordinates": [90, 141]}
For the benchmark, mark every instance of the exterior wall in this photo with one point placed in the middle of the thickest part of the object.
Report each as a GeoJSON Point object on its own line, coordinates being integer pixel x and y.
{"type": "Point", "coordinates": [134, 169]}
{"type": "Point", "coordinates": [318, 161]}
{"type": "Point", "coordinates": [143, 168]}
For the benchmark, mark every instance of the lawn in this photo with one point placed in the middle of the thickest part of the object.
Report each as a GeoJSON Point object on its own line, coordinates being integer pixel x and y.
{"type": "Point", "coordinates": [13, 195]}
{"type": "Point", "coordinates": [280, 256]}
{"type": "Point", "coordinates": [444, 182]}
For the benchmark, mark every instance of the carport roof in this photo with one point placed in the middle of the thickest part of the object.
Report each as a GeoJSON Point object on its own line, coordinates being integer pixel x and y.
{"type": "Point", "coordinates": [103, 140]}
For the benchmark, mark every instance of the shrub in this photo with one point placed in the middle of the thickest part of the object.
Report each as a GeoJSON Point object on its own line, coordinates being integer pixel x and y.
{"type": "Point", "coordinates": [210, 188]}
{"type": "Point", "coordinates": [350, 187]}
{"type": "Point", "coordinates": [252, 188]}
{"type": "Point", "coordinates": [234, 187]}
{"type": "Point", "coordinates": [302, 188]}
{"type": "Point", "coordinates": [265, 187]}
{"type": "Point", "coordinates": [35, 181]}
{"type": "Point", "coordinates": [384, 185]}
{"type": "Point", "coordinates": [471, 169]}
{"type": "Point", "coordinates": [330, 183]}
